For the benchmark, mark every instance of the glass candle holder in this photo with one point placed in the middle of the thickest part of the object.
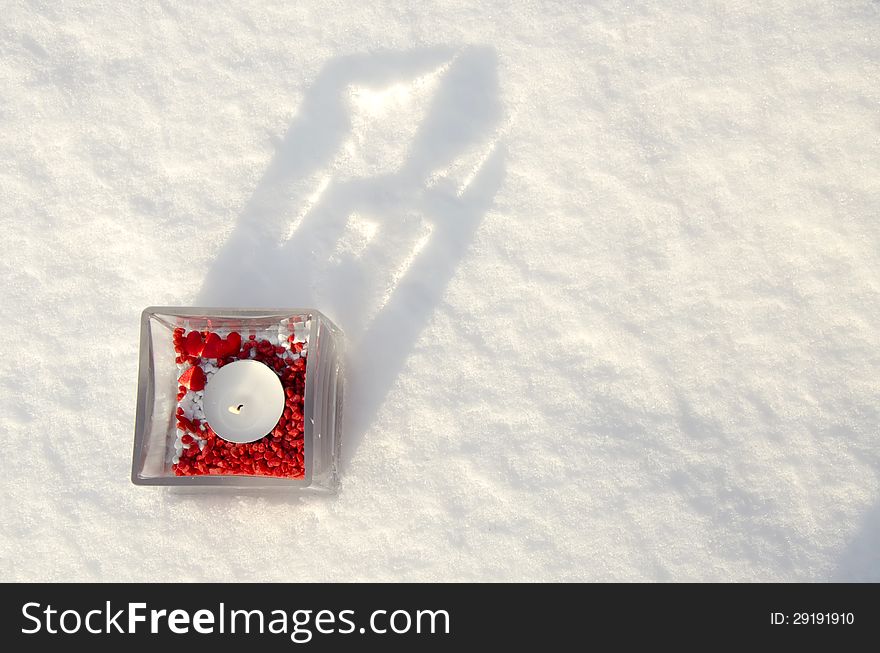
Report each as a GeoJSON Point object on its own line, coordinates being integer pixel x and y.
{"type": "Point", "coordinates": [238, 398]}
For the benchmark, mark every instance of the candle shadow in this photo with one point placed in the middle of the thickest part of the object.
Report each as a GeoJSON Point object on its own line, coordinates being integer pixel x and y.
{"type": "Point", "coordinates": [860, 560]}
{"type": "Point", "coordinates": [374, 252]}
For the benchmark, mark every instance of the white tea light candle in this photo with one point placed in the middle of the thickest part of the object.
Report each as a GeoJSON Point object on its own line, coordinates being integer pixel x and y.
{"type": "Point", "coordinates": [243, 401]}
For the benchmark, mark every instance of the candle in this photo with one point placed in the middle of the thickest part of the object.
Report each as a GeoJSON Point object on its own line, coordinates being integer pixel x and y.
{"type": "Point", "coordinates": [243, 401]}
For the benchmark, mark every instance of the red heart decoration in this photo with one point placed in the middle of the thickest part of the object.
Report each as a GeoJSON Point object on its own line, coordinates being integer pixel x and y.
{"type": "Point", "coordinates": [193, 379]}
{"type": "Point", "coordinates": [212, 346]}
{"type": "Point", "coordinates": [231, 345]}
{"type": "Point", "coordinates": [193, 345]}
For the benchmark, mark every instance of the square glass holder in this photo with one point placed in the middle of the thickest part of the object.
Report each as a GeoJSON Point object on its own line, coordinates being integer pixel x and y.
{"type": "Point", "coordinates": [156, 428]}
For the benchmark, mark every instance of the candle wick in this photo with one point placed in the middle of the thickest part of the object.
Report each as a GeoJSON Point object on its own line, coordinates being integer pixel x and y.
{"type": "Point", "coordinates": [236, 409]}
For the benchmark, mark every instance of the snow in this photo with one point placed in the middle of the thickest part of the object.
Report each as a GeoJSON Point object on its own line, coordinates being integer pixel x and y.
{"type": "Point", "coordinates": [608, 274]}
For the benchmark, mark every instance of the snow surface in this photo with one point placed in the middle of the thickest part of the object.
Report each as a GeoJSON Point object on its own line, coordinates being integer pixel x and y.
{"type": "Point", "coordinates": [609, 276]}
